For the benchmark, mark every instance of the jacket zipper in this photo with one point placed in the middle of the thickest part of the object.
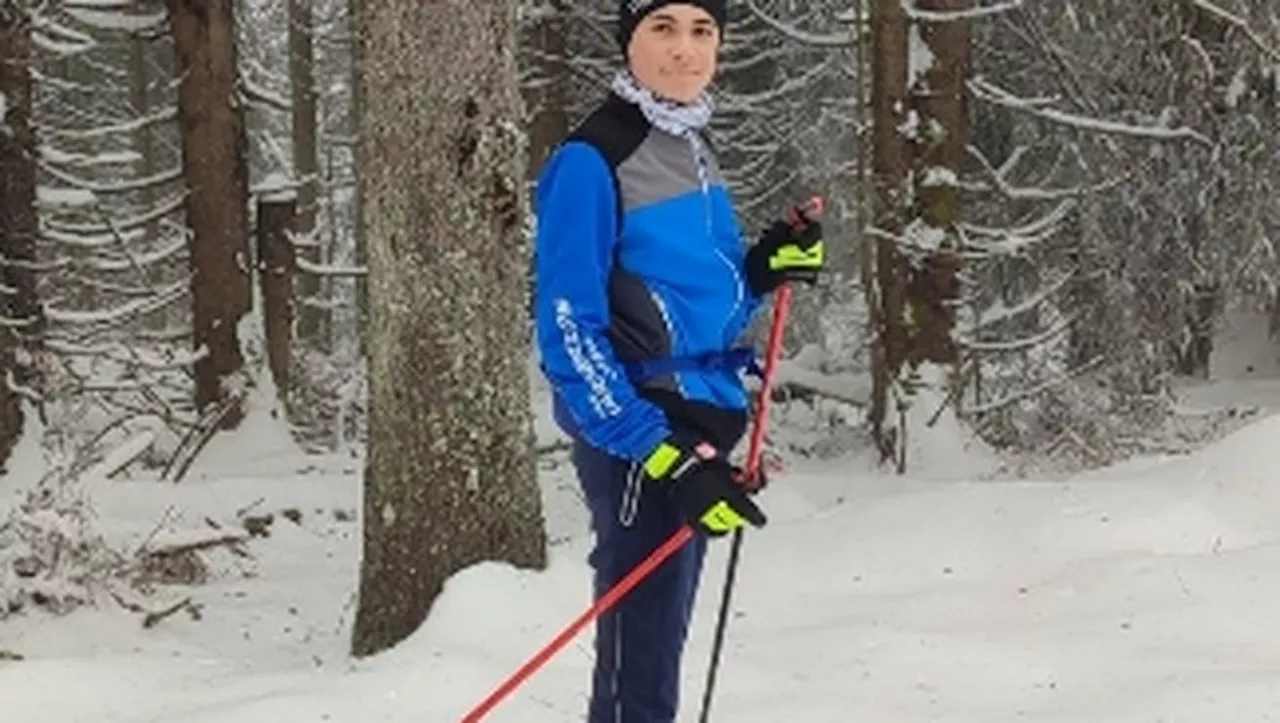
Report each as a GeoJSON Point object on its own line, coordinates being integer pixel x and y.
{"type": "Point", "coordinates": [699, 160]}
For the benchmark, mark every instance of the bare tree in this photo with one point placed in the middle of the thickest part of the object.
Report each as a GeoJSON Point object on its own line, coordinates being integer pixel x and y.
{"type": "Point", "coordinates": [450, 479]}
{"type": "Point", "coordinates": [215, 167]}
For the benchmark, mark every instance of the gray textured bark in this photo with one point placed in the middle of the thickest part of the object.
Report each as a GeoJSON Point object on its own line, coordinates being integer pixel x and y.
{"type": "Point", "coordinates": [18, 226]}
{"type": "Point", "coordinates": [215, 169]}
{"type": "Point", "coordinates": [450, 478]}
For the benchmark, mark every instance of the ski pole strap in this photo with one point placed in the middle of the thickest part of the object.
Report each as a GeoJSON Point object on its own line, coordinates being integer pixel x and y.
{"type": "Point", "coordinates": [738, 359]}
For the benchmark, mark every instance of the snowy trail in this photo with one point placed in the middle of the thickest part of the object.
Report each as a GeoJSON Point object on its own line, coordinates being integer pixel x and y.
{"type": "Point", "coordinates": [1008, 602]}
{"type": "Point", "coordinates": [1145, 593]}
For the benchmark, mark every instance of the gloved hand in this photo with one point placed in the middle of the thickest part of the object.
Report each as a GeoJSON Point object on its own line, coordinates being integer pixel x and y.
{"type": "Point", "coordinates": [785, 254]}
{"type": "Point", "coordinates": [752, 486]}
{"type": "Point", "coordinates": [702, 484]}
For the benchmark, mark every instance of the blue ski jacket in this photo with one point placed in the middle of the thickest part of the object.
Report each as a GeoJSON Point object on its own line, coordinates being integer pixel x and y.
{"type": "Point", "coordinates": [640, 290]}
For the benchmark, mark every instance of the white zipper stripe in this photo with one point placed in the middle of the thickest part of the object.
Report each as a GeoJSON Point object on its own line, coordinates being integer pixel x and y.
{"type": "Point", "coordinates": [700, 160]}
{"type": "Point", "coordinates": [737, 282]}
{"type": "Point", "coordinates": [671, 332]}
{"type": "Point", "coordinates": [630, 496]}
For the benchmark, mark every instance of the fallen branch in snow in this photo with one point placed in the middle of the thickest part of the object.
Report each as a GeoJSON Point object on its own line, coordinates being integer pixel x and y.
{"type": "Point", "coordinates": [199, 436]}
{"type": "Point", "coordinates": [151, 618]}
{"type": "Point", "coordinates": [178, 562]}
{"type": "Point", "coordinates": [9, 656]}
{"type": "Point", "coordinates": [231, 540]}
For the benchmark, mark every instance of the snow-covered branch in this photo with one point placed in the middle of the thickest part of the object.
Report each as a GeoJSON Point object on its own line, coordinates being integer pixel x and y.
{"type": "Point", "coordinates": [951, 16]}
{"type": "Point", "coordinates": [260, 95]}
{"type": "Point", "coordinates": [1000, 178]}
{"type": "Point", "coordinates": [841, 40]}
{"type": "Point", "coordinates": [309, 267]}
{"type": "Point", "coordinates": [1019, 239]}
{"type": "Point", "coordinates": [988, 91]}
{"type": "Point", "coordinates": [133, 125]}
{"type": "Point", "coordinates": [85, 184]}
{"type": "Point", "coordinates": [121, 313]}
{"type": "Point", "coordinates": [1036, 390]}
{"type": "Point", "coordinates": [1030, 342]}
{"type": "Point", "coordinates": [1241, 23]}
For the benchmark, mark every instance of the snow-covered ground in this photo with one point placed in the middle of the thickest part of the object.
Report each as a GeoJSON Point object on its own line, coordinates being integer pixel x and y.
{"type": "Point", "coordinates": [1142, 593]}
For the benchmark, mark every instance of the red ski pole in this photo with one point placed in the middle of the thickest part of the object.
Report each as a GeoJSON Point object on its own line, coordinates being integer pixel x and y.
{"type": "Point", "coordinates": [798, 217]}
{"type": "Point", "coordinates": [606, 601]}
{"type": "Point", "coordinates": [681, 536]}
{"type": "Point", "coordinates": [781, 308]}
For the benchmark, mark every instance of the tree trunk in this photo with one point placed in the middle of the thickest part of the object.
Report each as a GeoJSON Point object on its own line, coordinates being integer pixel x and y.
{"type": "Point", "coordinates": [889, 166]}
{"type": "Point", "coordinates": [940, 98]}
{"type": "Point", "coordinates": [215, 169]}
{"type": "Point", "coordinates": [276, 266]}
{"type": "Point", "coordinates": [140, 99]}
{"type": "Point", "coordinates": [450, 478]}
{"type": "Point", "coordinates": [361, 255]}
{"type": "Point", "coordinates": [145, 167]}
{"type": "Point", "coordinates": [306, 164]}
{"type": "Point", "coordinates": [547, 96]}
{"type": "Point", "coordinates": [18, 223]}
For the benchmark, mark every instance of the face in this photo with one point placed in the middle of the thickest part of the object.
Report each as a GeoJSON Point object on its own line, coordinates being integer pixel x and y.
{"type": "Point", "coordinates": [673, 51]}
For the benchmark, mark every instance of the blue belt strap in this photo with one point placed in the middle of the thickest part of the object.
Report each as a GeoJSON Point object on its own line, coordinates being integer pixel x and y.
{"type": "Point", "coordinates": [741, 358]}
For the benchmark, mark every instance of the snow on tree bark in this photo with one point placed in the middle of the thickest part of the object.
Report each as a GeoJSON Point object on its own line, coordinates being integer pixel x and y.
{"type": "Point", "coordinates": [306, 165]}
{"type": "Point", "coordinates": [18, 223]}
{"type": "Point", "coordinates": [940, 98]}
{"type": "Point", "coordinates": [215, 168]}
{"type": "Point", "coordinates": [920, 134]}
{"type": "Point", "coordinates": [890, 167]}
{"type": "Point", "coordinates": [450, 478]}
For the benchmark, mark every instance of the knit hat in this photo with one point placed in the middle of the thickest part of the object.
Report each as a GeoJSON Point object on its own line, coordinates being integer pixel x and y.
{"type": "Point", "coordinates": [632, 12]}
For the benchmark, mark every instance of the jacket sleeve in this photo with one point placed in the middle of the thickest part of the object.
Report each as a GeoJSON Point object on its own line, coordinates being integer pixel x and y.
{"type": "Point", "coordinates": [577, 231]}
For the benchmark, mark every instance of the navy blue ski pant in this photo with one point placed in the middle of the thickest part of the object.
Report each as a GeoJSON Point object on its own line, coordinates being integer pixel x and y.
{"type": "Point", "coordinates": [640, 641]}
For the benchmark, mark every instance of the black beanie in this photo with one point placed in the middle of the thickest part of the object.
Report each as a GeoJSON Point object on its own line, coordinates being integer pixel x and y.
{"type": "Point", "coordinates": [631, 12]}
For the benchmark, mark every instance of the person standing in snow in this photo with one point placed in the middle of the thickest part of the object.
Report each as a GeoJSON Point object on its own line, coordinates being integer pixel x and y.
{"type": "Point", "coordinates": [642, 289]}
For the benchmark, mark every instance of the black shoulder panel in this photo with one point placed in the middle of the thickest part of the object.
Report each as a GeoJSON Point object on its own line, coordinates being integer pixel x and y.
{"type": "Point", "coordinates": [616, 129]}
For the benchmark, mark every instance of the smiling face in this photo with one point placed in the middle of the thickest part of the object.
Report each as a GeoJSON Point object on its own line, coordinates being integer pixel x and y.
{"type": "Point", "coordinates": [673, 51]}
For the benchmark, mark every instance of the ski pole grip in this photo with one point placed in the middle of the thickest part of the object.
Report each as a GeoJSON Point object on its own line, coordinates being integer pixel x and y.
{"type": "Point", "coordinates": [802, 213]}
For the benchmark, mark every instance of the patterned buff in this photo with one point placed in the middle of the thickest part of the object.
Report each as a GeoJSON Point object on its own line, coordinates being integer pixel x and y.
{"type": "Point", "coordinates": [678, 119]}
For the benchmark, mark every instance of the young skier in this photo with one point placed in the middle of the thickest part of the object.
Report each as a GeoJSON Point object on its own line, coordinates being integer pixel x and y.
{"type": "Point", "coordinates": [642, 289]}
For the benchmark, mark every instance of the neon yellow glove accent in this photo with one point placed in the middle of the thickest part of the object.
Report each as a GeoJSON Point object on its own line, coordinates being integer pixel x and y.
{"type": "Point", "coordinates": [660, 460]}
{"type": "Point", "coordinates": [792, 257]}
{"type": "Point", "coordinates": [722, 518]}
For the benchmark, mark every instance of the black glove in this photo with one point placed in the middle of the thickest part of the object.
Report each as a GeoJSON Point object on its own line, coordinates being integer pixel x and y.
{"type": "Point", "coordinates": [785, 254]}
{"type": "Point", "coordinates": [752, 486]}
{"type": "Point", "coordinates": [702, 484]}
